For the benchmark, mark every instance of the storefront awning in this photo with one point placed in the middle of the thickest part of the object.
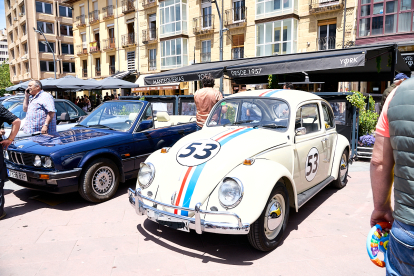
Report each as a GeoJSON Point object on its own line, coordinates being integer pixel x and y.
{"type": "Point", "coordinates": [142, 87]}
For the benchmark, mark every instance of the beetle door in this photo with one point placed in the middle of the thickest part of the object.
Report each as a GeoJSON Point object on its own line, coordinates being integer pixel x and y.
{"type": "Point", "coordinates": [309, 168]}
{"type": "Point", "coordinates": [330, 134]}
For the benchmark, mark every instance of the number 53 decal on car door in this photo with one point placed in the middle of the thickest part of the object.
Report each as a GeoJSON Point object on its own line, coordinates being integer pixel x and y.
{"type": "Point", "coordinates": [312, 164]}
{"type": "Point", "coordinates": [197, 152]}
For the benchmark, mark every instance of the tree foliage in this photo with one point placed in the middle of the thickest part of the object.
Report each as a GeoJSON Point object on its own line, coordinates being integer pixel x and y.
{"type": "Point", "coordinates": [367, 117]}
{"type": "Point", "coordinates": [4, 78]}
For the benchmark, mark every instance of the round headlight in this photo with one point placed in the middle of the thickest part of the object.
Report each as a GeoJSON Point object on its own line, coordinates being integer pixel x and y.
{"type": "Point", "coordinates": [6, 154]}
{"type": "Point", "coordinates": [230, 192]}
{"type": "Point", "coordinates": [47, 162]}
{"type": "Point", "coordinates": [37, 161]}
{"type": "Point", "coordinates": [146, 175]}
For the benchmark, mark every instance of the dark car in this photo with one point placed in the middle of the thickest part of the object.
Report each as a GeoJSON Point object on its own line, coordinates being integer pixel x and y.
{"type": "Point", "coordinates": [106, 148]}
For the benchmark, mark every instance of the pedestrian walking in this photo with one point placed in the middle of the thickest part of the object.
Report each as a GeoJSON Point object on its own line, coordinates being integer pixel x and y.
{"type": "Point", "coordinates": [10, 118]}
{"type": "Point", "coordinates": [399, 78]}
{"type": "Point", "coordinates": [40, 110]}
{"type": "Point", "coordinates": [86, 104]}
{"type": "Point", "coordinates": [393, 161]}
{"type": "Point", "coordinates": [205, 98]}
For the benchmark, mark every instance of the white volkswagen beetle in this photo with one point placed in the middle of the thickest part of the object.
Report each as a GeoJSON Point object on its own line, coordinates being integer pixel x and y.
{"type": "Point", "coordinates": [259, 153]}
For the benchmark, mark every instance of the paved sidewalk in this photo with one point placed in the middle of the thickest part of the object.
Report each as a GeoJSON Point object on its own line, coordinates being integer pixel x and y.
{"type": "Point", "coordinates": [326, 237]}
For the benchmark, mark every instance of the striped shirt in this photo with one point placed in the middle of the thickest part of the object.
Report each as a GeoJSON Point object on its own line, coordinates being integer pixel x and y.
{"type": "Point", "coordinates": [205, 99]}
{"type": "Point", "coordinates": [39, 106]}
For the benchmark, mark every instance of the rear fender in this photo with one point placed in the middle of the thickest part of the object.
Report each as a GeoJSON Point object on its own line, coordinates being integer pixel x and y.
{"type": "Point", "coordinates": [258, 181]}
{"type": "Point", "coordinates": [104, 153]}
{"type": "Point", "coordinates": [341, 145]}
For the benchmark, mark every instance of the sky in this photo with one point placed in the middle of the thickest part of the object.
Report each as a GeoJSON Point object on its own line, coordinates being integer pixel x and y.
{"type": "Point", "coordinates": [2, 16]}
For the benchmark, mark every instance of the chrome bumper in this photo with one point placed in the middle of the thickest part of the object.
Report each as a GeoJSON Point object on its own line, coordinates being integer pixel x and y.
{"type": "Point", "coordinates": [195, 223]}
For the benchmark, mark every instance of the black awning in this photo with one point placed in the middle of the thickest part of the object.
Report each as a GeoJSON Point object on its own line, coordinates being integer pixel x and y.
{"type": "Point", "coordinates": [352, 64]}
{"type": "Point", "coordinates": [194, 72]}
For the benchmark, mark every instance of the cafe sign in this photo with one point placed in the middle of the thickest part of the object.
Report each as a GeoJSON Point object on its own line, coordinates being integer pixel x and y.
{"type": "Point", "coordinates": [409, 59]}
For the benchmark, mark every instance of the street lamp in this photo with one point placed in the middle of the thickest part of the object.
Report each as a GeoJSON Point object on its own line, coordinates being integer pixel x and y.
{"type": "Point", "coordinates": [221, 38]}
{"type": "Point", "coordinates": [47, 43]}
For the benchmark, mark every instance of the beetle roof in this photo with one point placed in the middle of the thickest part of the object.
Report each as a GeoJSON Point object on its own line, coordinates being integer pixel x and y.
{"type": "Point", "coordinates": [293, 97]}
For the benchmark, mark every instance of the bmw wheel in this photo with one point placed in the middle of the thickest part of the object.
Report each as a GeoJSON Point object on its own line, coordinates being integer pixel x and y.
{"type": "Point", "coordinates": [267, 231]}
{"type": "Point", "coordinates": [100, 181]}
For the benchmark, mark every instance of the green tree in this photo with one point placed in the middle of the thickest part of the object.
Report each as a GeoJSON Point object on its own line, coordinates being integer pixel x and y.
{"type": "Point", "coordinates": [4, 78]}
{"type": "Point", "coordinates": [367, 117]}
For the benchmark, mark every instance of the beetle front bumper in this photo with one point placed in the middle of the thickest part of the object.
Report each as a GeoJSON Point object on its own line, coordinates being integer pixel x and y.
{"type": "Point", "coordinates": [195, 223]}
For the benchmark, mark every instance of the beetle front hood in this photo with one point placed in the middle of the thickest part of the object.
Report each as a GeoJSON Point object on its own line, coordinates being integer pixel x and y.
{"type": "Point", "coordinates": [197, 163]}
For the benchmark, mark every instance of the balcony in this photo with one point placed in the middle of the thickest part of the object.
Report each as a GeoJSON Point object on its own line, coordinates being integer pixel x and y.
{"type": "Point", "coordinates": [152, 65]}
{"type": "Point", "coordinates": [236, 18]}
{"type": "Point", "coordinates": [321, 6]}
{"type": "Point", "coordinates": [108, 12]}
{"type": "Point", "coordinates": [94, 47]}
{"type": "Point", "coordinates": [149, 36]}
{"type": "Point", "coordinates": [237, 53]}
{"type": "Point", "coordinates": [203, 24]}
{"type": "Point", "coordinates": [97, 71]}
{"type": "Point", "coordinates": [111, 69]}
{"type": "Point", "coordinates": [128, 40]}
{"type": "Point", "coordinates": [146, 4]}
{"type": "Point", "coordinates": [82, 49]}
{"type": "Point", "coordinates": [84, 72]}
{"type": "Point", "coordinates": [128, 6]}
{"type": "Point", "coordinates": [326, 43]}
{"type": "Point", "coordinates": [94, 17]}
{"type": "Point", "coordinates": [109, 44]}
{"type": "Point", "coordinates": [206, 57]}
{"type": "Point", "coordinates": [80, 21]}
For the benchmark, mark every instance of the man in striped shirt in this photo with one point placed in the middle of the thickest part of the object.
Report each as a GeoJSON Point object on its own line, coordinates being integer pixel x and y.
{"type": "Point", "coordinates": [205, 99]}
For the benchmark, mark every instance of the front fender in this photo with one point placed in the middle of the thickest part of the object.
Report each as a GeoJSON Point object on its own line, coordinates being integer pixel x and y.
{"type": "Point", "coordinates": [341, 145]}
{"type": "Point", "coordinates": [258, 181]}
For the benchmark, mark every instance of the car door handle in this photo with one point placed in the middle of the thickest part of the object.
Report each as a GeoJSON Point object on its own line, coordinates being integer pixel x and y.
{"type": "Point", "coordinates": [324, 140]}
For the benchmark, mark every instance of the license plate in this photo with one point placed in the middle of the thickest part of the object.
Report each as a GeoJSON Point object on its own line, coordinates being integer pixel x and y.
{"type": "Point", "coordinates": [174, 223]}
{"type": "Point", "coordinates": [16, 174]}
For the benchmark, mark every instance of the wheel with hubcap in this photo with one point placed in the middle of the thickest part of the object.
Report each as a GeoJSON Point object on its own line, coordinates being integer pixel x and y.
{"type": "Point", "coordinates": [267, 231]}
{"type": "Point", "coordinates": [100, 180]}
{"type": "Point", "coordinates": [342, 178]}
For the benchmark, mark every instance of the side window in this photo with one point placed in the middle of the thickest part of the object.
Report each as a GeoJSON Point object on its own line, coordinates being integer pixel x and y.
{"type": "Point", "coordinates": [59, 109]}
{"type": "Point", "coordinates": [327, 116]}
{"type": "Point", "coordinates": [72, 112]}
{"type": "Point", "coordinates": [307, 116]}
{"type": "Point", "coordinates": [148, 114]}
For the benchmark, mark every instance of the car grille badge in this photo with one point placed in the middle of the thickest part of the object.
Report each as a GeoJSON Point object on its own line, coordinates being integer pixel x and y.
{"type": "Point", "coordinates": [21, 146]}
{"type": "Point", "coordinates": [173, 197]}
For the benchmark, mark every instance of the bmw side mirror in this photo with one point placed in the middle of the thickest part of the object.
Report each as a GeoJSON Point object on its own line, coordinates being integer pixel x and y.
{"type": "Point", "coordinates": [300, 131]}
{"type": "Point", "coordinates": [147, 124]}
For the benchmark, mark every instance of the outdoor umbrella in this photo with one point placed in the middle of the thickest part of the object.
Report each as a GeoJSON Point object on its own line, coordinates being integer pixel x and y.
{"type": "Point", "coordinates": [18, 87]}
{"type": "Point", "coordinates": [69, 83]}
{"type": "Point", "coordinates": [114, 83]}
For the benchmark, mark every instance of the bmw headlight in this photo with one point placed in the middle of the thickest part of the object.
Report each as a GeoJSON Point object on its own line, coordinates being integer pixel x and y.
{"type": "Point", "coordinates": [47, 162]}
{"type": "Point", "coordinates": [146, 174]}
{"type": "Point", "coordinates": [37, 161]}
{"type": "Point", "coordinates": [230, 192]}
{"type": "Point", "coordinates": [6, 154]}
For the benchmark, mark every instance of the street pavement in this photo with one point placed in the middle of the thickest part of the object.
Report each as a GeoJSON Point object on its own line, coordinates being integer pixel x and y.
{"type": "Point", "coordinates": [47, 234]}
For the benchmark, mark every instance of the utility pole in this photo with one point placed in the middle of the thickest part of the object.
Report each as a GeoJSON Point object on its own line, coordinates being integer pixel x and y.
{"type": "Point", "coordinates": [221, 37]}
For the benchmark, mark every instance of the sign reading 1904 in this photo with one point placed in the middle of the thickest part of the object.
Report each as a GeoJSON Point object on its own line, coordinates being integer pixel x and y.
{"type": "Point", "coordinates": [246, 72]}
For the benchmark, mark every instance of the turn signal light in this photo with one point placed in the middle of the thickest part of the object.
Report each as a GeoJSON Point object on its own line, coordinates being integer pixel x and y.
{"type": "Point", "coordinates": [248, 162]}
{"type": "Point", "coordinates": [44, 176]}
{"type": "Point", "coordinates": [165, 150]}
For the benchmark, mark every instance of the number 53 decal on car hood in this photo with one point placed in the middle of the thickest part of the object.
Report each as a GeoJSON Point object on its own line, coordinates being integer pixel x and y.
{"type": "Point", "coordinates": [198, 152]}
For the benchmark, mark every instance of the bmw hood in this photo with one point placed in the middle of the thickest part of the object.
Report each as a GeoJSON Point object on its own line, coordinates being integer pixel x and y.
{"type": "Point", "coordinates": [192, 168]}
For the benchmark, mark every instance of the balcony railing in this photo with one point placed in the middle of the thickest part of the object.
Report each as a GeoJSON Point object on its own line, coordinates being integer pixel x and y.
{"type": "Point", "coordinates": [152, 64]}
{"type": "Point", "coordinates": [206, 57]}
{"type": "Point", "coordinates": [80, 21]}
{"type": "Point", "coordinates": [111, 69]}
{"type": "Point", "coordinates": [109, 44]}
{"type": "Point", "coordinates": [82, 49]}
{"type": "Point", "coordinates": [128, 6]}
{"type": "Point", "coordinates": [326, 43]}
{"type": "Point", "coordinates": [94, 17]}
{"type": "Point", "coordinates": [320, 6]}
{"type": "Point", "coordinates": [149, 36]}
{"type": "Point", "coordinates": [94, 47]}
{"type": "Point", "coordinates": [128, 40]}
{"type": "Point", "coordinates": [97, 71]}
{"type": "Point", "coordinates": [203, 24]}
{"type": "Point", "coordinates": [237, 53]}
{"type": "Point", "coordinates": [236, 17]}
{"type": "Point", "coordinates": [108, 12]}
{"type": "Point", "coordinates": [146, 4]}
{"type": "Point", "coordinates": [84, 72]}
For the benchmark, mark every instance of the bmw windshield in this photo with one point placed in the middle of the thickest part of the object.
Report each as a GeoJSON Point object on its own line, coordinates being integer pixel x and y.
{"type": "Point", "coordinates": [116, 115]}
{"type": "Point", "coordinates": [253, 112]}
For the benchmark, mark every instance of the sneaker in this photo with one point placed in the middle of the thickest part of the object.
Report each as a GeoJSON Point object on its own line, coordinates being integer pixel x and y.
{"type": "Point", "coordinates": [3, 215]}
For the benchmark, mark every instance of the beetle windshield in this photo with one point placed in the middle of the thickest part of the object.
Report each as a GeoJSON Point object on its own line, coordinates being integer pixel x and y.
{"type": "Point", "coordinates": [117, 115]}
{"type": "Point", "coordinates": [260, 112]}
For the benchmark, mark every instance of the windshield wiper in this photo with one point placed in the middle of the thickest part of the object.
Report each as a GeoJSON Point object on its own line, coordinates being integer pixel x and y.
{"type": "Point", "coordinates": [239, 122]}
{"type": "Point", "coordinates": [78, 125]}
{"type": "Point", "coordinates": [101, 126]}
{"type": "Point", "coordinates": [274, 126]}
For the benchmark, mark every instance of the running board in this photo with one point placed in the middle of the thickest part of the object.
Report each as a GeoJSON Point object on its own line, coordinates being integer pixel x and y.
{"type": "Point", "coordinates": [308, 194]}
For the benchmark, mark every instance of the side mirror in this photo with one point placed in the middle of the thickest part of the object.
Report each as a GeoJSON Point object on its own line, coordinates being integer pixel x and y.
{"type": "Point", "coordinates": [300, 131]}
{"type": "Point", "coordinates": [147, 124]}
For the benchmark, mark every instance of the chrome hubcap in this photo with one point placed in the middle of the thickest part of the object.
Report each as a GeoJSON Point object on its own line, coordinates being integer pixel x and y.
{"type": "Point", "coordinates": [343, 168]}
{"type": "Point", "coordinates": [275, 213]}
{"type": "Point", "coordinates": [103, 180]}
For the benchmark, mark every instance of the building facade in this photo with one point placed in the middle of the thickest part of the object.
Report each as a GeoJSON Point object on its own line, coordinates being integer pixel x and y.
{"type": "Point", "coordinates": [4, 53]}
{"type": "Point", "coordinates": [29, 55]}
